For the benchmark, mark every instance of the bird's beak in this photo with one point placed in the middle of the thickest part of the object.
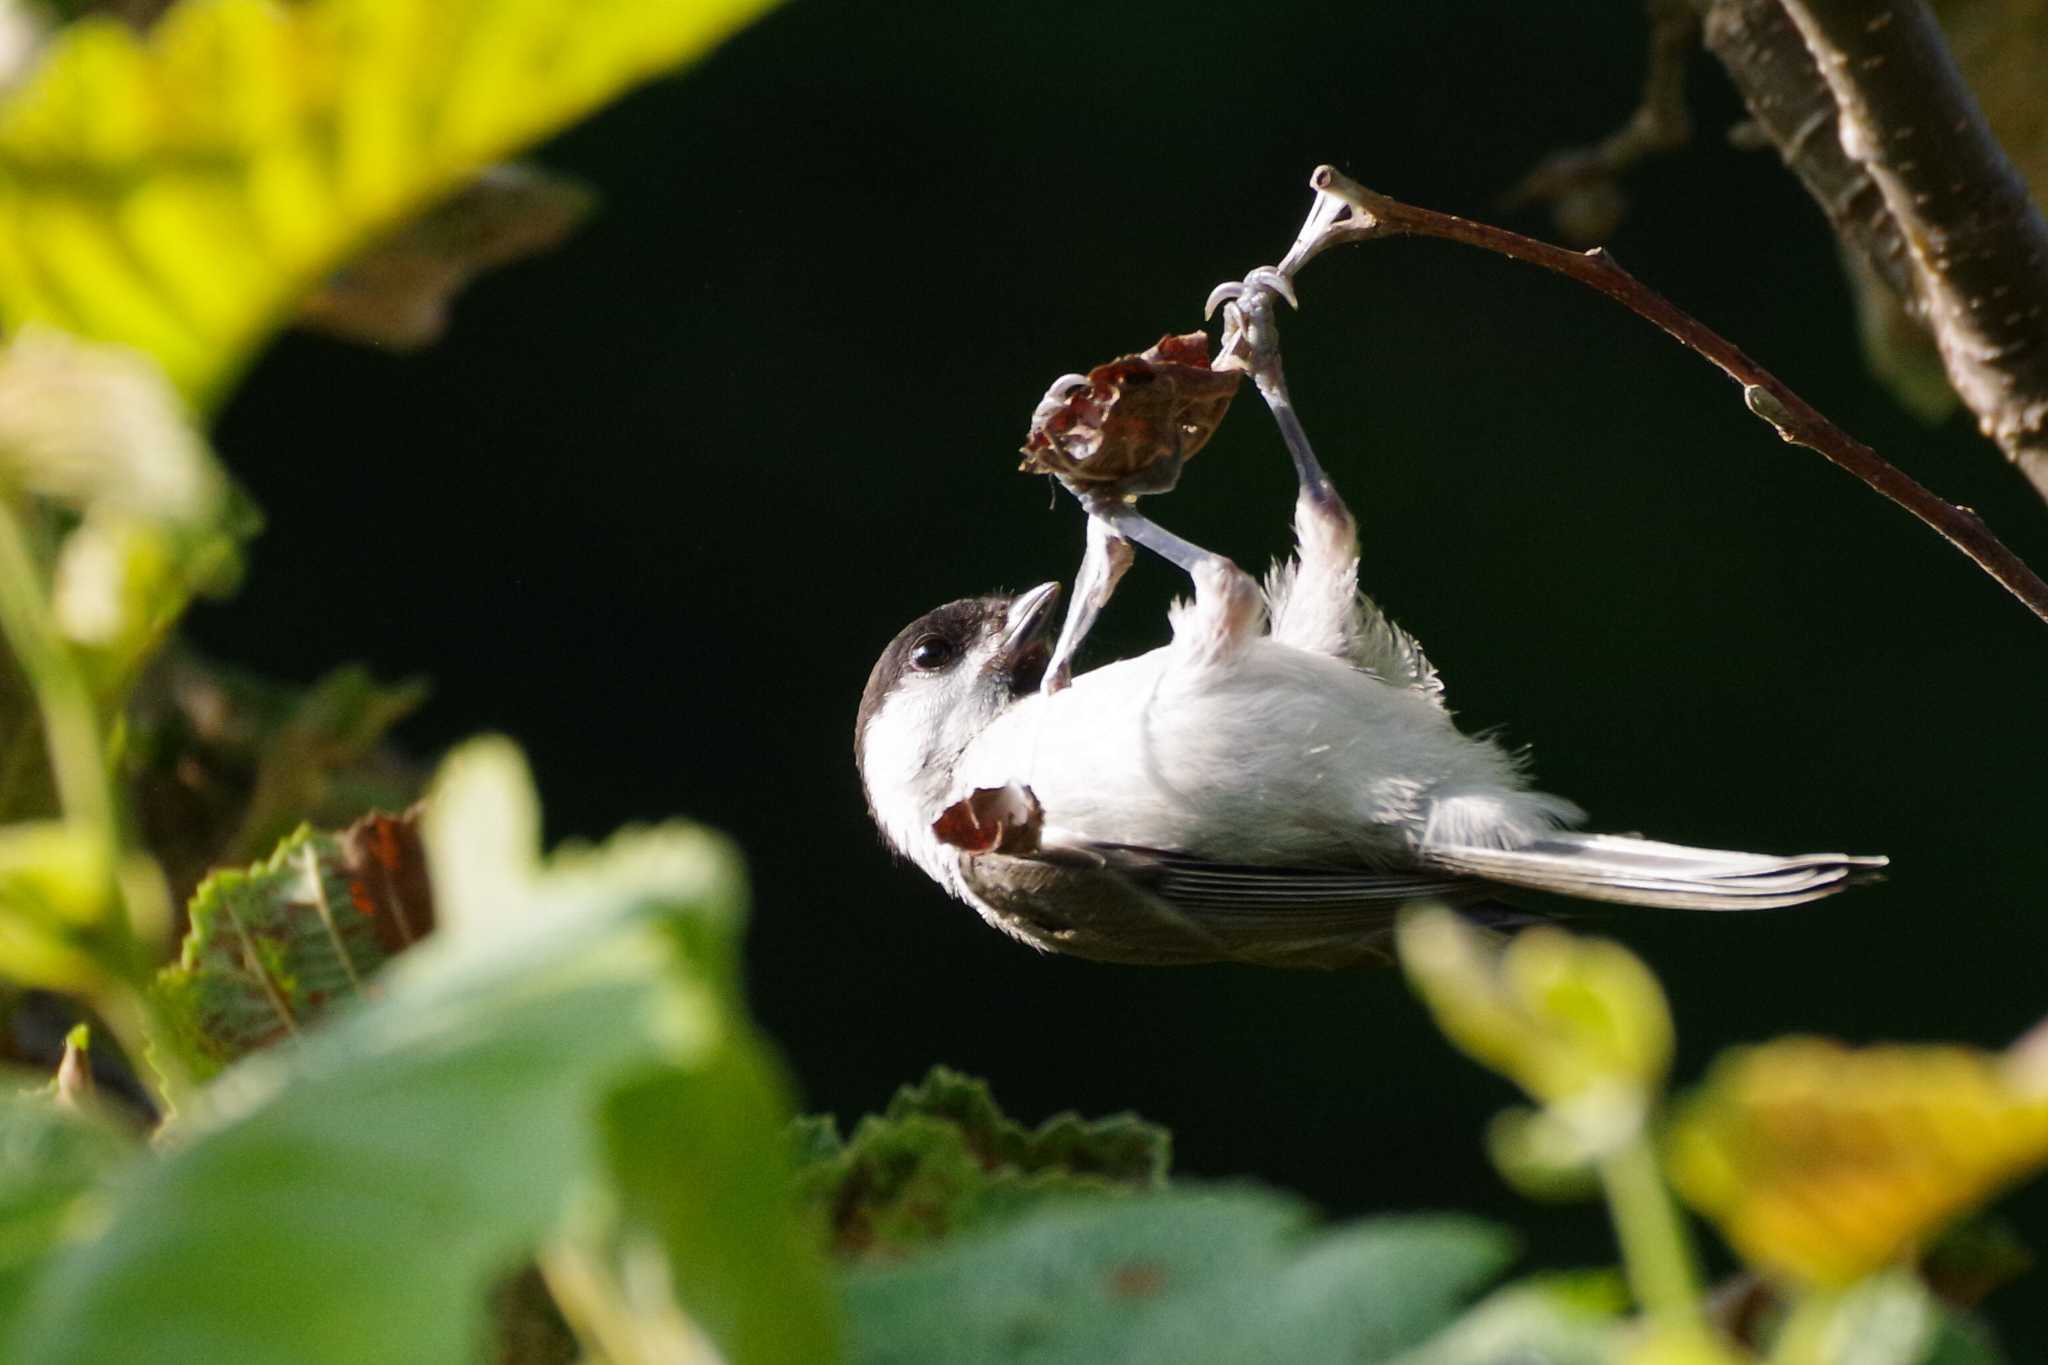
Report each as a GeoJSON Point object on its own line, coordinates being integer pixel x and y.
{"type": "Point", "coordinates": [1026, 646]}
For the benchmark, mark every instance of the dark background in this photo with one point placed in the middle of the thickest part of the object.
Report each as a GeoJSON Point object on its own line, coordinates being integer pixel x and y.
{"type": "Point", "coordinates": [660, 498]}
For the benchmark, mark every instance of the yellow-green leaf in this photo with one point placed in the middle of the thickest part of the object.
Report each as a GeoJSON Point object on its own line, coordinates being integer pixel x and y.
{"type": "Point", "coordinates": [1825, 1164]}
{"type": "Point", "coordinates": [1576, 1022]}
{"type": "Point", "coordinates": [56, 888]}
{"type": "Point", "coordinates": [181, 191]}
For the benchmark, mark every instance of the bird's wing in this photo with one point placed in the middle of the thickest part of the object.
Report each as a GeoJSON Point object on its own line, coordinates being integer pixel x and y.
{"type": "Point", "coordinates": [1631, 871]}
{"type": "Point", "coordinates": [1196, 885]}
{"type": "Point", "coordinates": [1278, 916]}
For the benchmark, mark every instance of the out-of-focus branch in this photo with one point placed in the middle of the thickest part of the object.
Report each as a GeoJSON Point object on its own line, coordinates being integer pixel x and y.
{"type": "Point", "coordinates": [1797, 421]}
{"type": "Point", "coordinates": [1579, 183]}
{"type": "Point", "coordinates": [1791, 105]}
{"type": "Point", "coordinates": [1866, 104]}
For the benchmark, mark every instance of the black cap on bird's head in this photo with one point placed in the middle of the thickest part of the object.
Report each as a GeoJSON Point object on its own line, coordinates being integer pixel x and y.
{"type": "Point", "coordinates": [939, 683]}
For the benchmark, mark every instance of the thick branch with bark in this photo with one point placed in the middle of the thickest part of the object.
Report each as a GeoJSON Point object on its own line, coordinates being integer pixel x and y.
{"type": "Point", "coordinates": [1790, 103]}
{"type": "Point", "coordinates": [1867, 105]}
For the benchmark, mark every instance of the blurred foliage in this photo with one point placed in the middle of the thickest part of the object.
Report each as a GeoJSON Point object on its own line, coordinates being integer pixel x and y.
{"type": "Point", "coordinates": [428, 1095]}
{"type": "Point", "coordinates": [395, 293]}
{"type": "Point", "coordinates": [942, 1159]}
{"type": "Point", "coordinates": [1185, 1278]}
{"type": "Point", "coordinates": [53, 1158]}
{"type": "Point", "coordinates": [1580, 1024]}
{"type": "Point", "coordinates": [181, 191]}
{"type": "Point", "coordinates": [1825, 1164]}
{"type": "Point", "coordinates": [1829, 1168]}
{"type": "Point", "coordinates": [225, 763]}
{"type": "Point", "coordinates": [53, 897]}
{"type": "Point", "coordinates": [1557, 1319]}
{"type": "Point", "coordinates": [338, 1199]}
{"type": "Point", "coordinates": [132, 515]}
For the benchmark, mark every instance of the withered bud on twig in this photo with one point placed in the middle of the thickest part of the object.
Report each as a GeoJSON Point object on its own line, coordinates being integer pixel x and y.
{"type": "Point", "coordinates": [1128, 426]}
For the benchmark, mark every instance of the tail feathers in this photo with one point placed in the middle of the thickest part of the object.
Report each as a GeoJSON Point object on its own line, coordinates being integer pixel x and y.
{"type": "Point", "coordinates": [1613, 867]}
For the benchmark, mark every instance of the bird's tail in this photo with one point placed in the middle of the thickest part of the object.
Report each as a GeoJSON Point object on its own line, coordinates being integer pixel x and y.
{"type": "Point", "coordinates": [1613, 867]}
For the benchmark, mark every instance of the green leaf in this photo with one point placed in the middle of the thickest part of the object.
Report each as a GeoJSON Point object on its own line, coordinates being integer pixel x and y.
{"type": "Point", "coordinates": [944, 1158]}
{"type": "Point", "coordinates": [272, 947]}
{"type": "Point", "coordinates": [225, 763]}
{"type": "Point", "coordinates": [1178, 1278]}
{"type": "Point", "coordinates": [1556, 1319]}
{"type": "Point", "coordinates": [691, 1170]}
{"type": "Point", "coordinates": [330, 728]}
{"type": "Point", "coordinates": [181, 191]}
{"type": "Point", "coordinates": [1962, 1340]}
{"type": "Point", "coordinates": [52, 1159]}
{"type": "Point", "coordinates": [352, 1197]}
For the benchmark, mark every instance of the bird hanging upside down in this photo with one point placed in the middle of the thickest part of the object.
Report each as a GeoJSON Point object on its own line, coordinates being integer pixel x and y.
{"type": "Point", "coordinates": [1270, 787]}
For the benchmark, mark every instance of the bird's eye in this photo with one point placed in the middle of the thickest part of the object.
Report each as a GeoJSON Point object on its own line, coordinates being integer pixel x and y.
{"type": "Point", "coordinates": [932, 652]}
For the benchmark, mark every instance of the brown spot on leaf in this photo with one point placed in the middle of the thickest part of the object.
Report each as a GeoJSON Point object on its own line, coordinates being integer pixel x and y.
{"type": "Point", "coordinates": [387, 876]}
{"type": "Point", "coordinates": [1137, 1280]}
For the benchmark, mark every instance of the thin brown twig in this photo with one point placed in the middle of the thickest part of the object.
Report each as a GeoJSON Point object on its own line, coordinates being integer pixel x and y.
{"type": "Point", "coordinates": [1796, 420]}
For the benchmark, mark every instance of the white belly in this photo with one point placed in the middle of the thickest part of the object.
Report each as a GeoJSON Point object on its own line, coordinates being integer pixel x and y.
{"type": "Point", "coordinates": [1279, 757]}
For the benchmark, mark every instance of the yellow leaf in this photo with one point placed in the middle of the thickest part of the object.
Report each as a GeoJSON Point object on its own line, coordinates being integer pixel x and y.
{"type": "Point", "coordinates": [179, 192]}
{"type": "Point", "coordinates": [1824, 1164]}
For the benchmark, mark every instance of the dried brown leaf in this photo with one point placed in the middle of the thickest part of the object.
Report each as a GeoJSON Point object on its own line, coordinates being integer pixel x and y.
{"type": "Point", "coordinates": [1135, 421]}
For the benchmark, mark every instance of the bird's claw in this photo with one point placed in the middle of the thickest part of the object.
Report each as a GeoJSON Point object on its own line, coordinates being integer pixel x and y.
{"type": "Point", "coordinates": [1056, 395]}
{"type": "Point", "coordinates": [1277, 280]}
{"type": "Point", "coordinates": [1220, 295]}
{"type": "Point", "coordinates": [1266, 277]}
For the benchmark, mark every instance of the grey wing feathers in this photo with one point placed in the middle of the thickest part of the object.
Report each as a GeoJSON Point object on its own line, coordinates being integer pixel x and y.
{"type": "Point", "coordinates": [1190, 883]}
{"type": "Point", "coordinates": [1294, 916]}
{"type": "Point", "coordinates": [1612, 867]}
{"type": "Point", "coordinates": [1115, 903]}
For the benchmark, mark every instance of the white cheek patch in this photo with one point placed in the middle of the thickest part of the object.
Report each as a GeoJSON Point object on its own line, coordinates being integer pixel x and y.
{"type": "Point", "coordinates": [909, 769]}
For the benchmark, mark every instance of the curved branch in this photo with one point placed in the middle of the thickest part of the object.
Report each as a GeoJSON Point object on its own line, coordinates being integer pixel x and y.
{"type": "Point", "coordinates": [1797, 421]}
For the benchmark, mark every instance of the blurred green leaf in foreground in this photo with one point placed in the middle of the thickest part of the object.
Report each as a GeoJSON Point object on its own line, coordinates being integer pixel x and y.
{"type": "Point", "coordinates": [1187, 1278]}
{"type": "Point", "coordinates": [183, 190]}
{"type": "Point", "coordinates": [342, 1197]}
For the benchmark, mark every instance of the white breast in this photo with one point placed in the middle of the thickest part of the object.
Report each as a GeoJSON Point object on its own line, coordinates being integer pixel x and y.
{"type": "Point", "coordinates": [1280, 756]}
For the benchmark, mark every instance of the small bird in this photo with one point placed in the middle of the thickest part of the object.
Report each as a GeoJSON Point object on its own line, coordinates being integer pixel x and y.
{"type": "Point", "coordinates": [1270, 787]}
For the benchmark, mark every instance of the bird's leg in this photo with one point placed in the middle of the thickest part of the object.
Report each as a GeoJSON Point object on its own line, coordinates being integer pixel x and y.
{"type": "Point", "coordinates": [1227, 612]}
{"type": "Point", "coordinates": [1227, 604]}
{"type": "Point", "coordinates": [1251, 343]}
{"type": "Point", "coordinates": [1319, 611]}
{"type": "Point", "coordinates": [1102, 565]}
